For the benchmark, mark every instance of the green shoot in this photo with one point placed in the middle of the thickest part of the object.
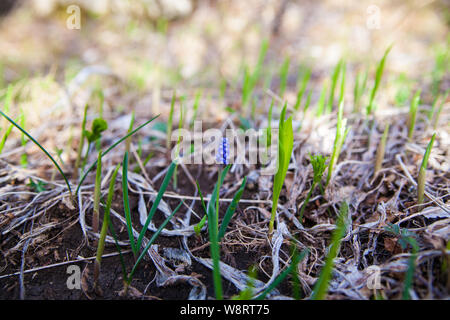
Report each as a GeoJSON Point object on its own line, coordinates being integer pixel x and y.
{"type": "Point", "coordinates": [198, 227]}
{"type": "Point", "coordinates": [359, 89]}
{"type": "Point", "coordinates": [40, 147]}
{"type": "Point", "coordinates": [285, 146]}
{"type": "Point", "coordinates": [378, 75]}
{"type": "Point", "coordinates": [37, 187]}
{"type": "Point", "coordinates": [381, 150]}
{"type": "Point", "coordinates": [231, 209]}
{"type": "Point", "coordinates": [284, 72]}
{"type": "Point", "coordinates": [319, 166]}
{"type": "Point", "coordinates": [170, 122]}
{"type": "Point", "coordinates": [213, 217]}
{"type": "Point", "coordinates": [413, 113]}
{"type": "Point", "coordinates": [129, 278]}
{"type": "Point", "coordinates": [101, 241]}
{"type": "Point", "coordinates": [180, 126]}
{"type": "Point", "coordinates": [321, 287]}
{"type": "Point", "coordinates": [247, 293]}
{"type": "Point", "coordinates": [441, 106]}
{"type": "Point", "coordinates": [251, 79]}
{"type": "Point", "coordinates": [156, 202]}
{"type": "Point", "coordinates": [81, 145]}
{"type": "Point", "coordinates": [321, 102]}
{"type": "Point", "coordinates": [423, 170]}
{"type": "Point", "coordinates": [302, 88]}
{"type": "Point", "coordinates": [98, 126]}
{"type": "Point", "coordinates": [97, 193]}
{"type": "Point", "coordinates": [130, 128]}
{"type": "Point", "coordinates": [198, 95]}
{"type": "Point", "coordinates": [341, 133]}
{"type": "Point", "coordinates": [126, 203]}
{"type": "Point", "coordinates": [5, 137]}
{"type": "Point", "coordinates": [334, 79]}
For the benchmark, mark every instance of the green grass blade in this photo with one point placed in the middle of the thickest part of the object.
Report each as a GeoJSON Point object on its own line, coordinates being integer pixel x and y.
{"type": "Point", "coordinates": [321, 102]}
{"type": "Point", "coordinates": [155, 204]}
{"type": "Point", "coordinates": [413, 113]}
{"type": "Point", "coordinates": [97, 193]}
{"type": "Point", "coordinates": [212, 211]}
{"type": "Point", "coordinates": [301, 90]}
{"type": "Point", "coordinates": [334, 79]}
{"type": "Point", "coordinates": [378, 75]}
{"type": "Point", "coordinates": [321, 286]}
{"type": "Point", "coordinates": [202, 222]}
{"type": "Point", "coordinates": [284, 71]}
{"type": "Point", "coordinates": [116, 242]}
{"type": "Point", "coordinates": [126, 202]}
{"type": "Point", "coordinates": [438, 113]}
{"type": "Point", "coordinates": [423, 170]}
{"type": "Point", "coordinates": [150, 242]}
{"type": "Point", "coordinates": [40, 147]}
{"type": "Point", "coordinates": [231, 209]}
{"type": "Point", "coordinates": [105, 224]}
{"type": "Point", "coordinates": [285, 146]}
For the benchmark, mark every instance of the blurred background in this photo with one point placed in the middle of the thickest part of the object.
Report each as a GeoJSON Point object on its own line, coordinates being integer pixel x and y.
{"type": "Point", "coordinates": [153, 45]}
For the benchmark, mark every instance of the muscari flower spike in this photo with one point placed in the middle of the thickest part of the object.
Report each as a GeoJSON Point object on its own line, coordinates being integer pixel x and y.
{"type": "Point", "coordinates": [223, 152]}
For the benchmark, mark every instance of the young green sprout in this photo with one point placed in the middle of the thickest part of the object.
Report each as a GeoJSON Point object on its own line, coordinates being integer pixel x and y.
{"type": "Point", "coordinates": [97, 193]}
{"type": "Point", "coordinates": [319, 166]}
{"type": "Point", "coordinates": [378, 75]}
{"type": "Point", "coordinates": [341, 134]}
{"type": "Point", "coordinates": [439, 111]}
{"type": "Point", "coordinates": [322, 98]}
{"type": "Point", "coordinates": [251, 79]}
{"type": "Point", "coordinates": [101, 241]}
{"type": "Point", "coordinates": [302, 88]}
{"type": "Point", "coordinates": [170, 122]}
{"type": "Point", "coordinates": [198, 95]}
{"type": "Point", "coordinates": [98, 126]}
{"type": "Point", "coordinates": [321, 287]}
{"type": "Point", "coordinates": [284, 72]}
{"type": "Point", "coordinates": [413, 114]}
{"type": "Point", "coordinates": [359, 90]}
{"type": "Point", "coordinates": [130, 128]}
{"type": "Point", "coordinates": [334, 79]}
{"type": "Point", "coordinates": [285, 146]}
{"type": "Point", "coordinates": [81, 145]}
{"type": "Point", "coordinates": [423, 170]}
{"type": "Point", "coordinates": [381, 150]}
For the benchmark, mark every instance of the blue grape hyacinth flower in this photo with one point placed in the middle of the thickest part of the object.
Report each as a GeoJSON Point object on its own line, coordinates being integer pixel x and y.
{"type": "Point", "coordinates": [223, 152]}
